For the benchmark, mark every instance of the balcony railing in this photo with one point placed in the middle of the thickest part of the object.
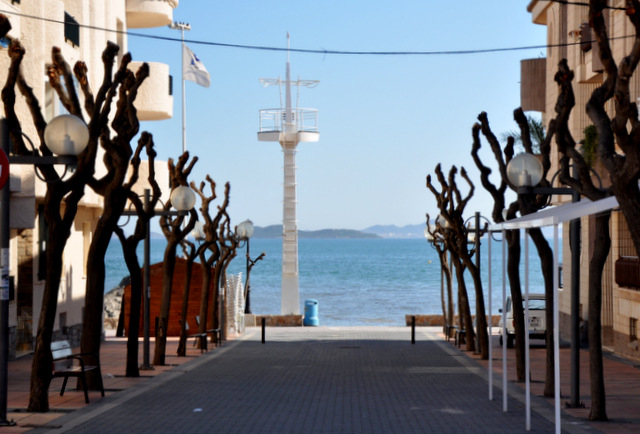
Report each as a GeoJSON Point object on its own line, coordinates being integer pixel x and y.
{"type": "Point", "coordinates": [272, 120]}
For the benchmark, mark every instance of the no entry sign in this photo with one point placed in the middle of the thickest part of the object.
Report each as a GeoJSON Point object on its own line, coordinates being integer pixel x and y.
{"type": "Point", "coordinates": [4, 168]}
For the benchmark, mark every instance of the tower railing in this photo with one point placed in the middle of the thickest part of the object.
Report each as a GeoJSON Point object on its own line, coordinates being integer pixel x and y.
{"type": "Point", "coordinates": [272, 120]}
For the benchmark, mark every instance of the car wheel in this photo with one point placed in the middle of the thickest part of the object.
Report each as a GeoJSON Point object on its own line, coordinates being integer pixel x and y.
{"type": "Point", "coordinates": [510, 339]}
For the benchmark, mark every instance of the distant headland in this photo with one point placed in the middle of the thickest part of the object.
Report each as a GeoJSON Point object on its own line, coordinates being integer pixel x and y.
{"type": "Point", "coordinates": [378, 231]}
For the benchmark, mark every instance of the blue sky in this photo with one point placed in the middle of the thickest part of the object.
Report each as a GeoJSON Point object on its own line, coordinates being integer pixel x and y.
{"type": "Point", "coordinates": [385, 121]}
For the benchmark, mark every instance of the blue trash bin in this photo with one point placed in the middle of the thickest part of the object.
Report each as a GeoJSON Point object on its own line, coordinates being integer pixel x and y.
{"type": "Point", "coordinates": [311, 313]}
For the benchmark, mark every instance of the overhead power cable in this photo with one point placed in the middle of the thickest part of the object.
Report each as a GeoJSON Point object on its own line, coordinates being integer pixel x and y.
{"type": "Point", "coordinates": [320, 51]}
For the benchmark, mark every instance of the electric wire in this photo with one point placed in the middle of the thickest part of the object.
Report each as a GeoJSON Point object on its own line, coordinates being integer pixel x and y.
{"type": "Point", "coordinates": [325, 51]}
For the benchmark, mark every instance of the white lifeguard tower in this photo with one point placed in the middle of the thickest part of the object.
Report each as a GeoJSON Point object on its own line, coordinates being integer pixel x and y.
{"type": "Point", "coordinates": [289, 126]}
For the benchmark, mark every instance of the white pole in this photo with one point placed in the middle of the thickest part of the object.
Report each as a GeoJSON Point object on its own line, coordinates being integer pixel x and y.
{"type": "Point", "coordinates": [490, 324]}
{"type": "Point", "coordinates": [184, 103]}
{"type": "Point", "coordinates": [527, 355]}
{"type": "Point", "coordinates": [182, 27]}
{"type": "Point", "coordinates": [504, 324]}
{"type": "Point", "coordinates": [556, 330]}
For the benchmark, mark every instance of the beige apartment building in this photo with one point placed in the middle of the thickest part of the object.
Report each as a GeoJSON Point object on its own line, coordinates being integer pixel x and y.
{"type": "Point", "coordinates": [569, 36]}
{"type": "Point", "coordinates": [81, 28]}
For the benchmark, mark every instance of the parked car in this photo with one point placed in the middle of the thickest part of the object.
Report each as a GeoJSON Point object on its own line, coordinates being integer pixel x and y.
{"type": "Point", "coordinates": [537, 319]}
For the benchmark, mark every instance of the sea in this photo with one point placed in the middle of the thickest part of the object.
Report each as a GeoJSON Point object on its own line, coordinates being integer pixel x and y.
{"type": "Point", "coordinates": [356, 282]}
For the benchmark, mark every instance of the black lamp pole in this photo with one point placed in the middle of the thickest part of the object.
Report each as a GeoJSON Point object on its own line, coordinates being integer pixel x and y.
{"type": "Point", "coordinates": [4, 285]}
{"type": "Point", "coordinates": [247, 306]}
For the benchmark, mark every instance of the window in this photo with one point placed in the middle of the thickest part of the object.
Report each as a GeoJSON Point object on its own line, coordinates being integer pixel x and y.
{"type": "Point", "coordinates": [633, 329]}
{"type": "Point", "coordinates": [71, 30]}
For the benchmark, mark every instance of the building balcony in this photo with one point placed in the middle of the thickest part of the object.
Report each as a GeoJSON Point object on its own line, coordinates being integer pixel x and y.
{"type": "Point", "coordinates": [538, 10]}
{"type": "Point", "coordinates": [155, 100]}
{"type": "Point", "coordinates": [150, 13]}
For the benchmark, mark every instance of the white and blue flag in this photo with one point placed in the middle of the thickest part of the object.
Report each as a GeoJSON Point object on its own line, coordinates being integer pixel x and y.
{"type": "Point", "coordinates": [193, 69]}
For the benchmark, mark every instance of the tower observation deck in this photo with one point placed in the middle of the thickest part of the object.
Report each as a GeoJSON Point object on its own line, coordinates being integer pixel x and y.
{"type": "Point", "coordinates": [289, 126]}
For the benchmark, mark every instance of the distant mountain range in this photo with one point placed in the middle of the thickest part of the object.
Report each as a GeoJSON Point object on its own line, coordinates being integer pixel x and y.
{"type": "Point", "coordinates": [378, 231]}
{"type": "Point", "coordinates": [275, 231]}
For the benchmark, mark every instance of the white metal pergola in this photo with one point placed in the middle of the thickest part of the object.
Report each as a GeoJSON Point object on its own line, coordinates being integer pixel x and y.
{"type": "Point", "coordinates": [548, 217]}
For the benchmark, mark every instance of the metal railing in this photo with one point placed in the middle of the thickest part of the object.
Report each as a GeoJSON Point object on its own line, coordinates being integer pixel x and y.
{"type": "Point", "coordinates": [304, 119]}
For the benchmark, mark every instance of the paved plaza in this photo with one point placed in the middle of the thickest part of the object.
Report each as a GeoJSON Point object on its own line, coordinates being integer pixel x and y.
{"type": "Point", "coordinates": [319, 380]}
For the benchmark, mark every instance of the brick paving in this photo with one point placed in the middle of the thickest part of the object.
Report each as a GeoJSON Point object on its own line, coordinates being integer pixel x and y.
{"type": "Point", "coordinates": [318, 380]}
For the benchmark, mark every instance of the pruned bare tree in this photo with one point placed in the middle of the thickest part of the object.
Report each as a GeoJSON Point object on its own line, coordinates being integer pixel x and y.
{"type": "Point", "coordinates": [446, 293]}
{"type": "Point", "coordinates": [619, 133]}
{"type": "Point", "coordinates": [129, 250]}
{"type": "Point", "coordinates": [122, 164]}
{"type": "Point", "coordinates": [175, 232]}
{"type": "Point", "coordinates": [452, 205]}
{"type": "Point", "coordinates": [512, 237]}
{"type": "Point", "coordinates": [210, 255]}
{"type": "Point", "coordinates": [445, 199]}
{"type": "Point", "coordinates": [583, 183]}
{"type": "Point", "coordinates": [59, 191]}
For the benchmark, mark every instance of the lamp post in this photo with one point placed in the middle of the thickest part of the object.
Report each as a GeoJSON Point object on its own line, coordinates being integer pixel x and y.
{"type": "Point", "coordinates": [183, 199]}
{"type": "Point", "coordinates": [66, 136]}
{"type": "Point", "coordinates": [525, 172]}
{"type": "Point", "coordinates": [245, 232]}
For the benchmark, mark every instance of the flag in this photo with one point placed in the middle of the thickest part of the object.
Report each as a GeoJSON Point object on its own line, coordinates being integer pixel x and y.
{"type": "Point", "coordinates": [193, 69]}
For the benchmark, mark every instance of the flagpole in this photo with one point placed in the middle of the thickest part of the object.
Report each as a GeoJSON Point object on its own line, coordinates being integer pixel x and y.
{"type": "Point", "coordinates": [182, 27]}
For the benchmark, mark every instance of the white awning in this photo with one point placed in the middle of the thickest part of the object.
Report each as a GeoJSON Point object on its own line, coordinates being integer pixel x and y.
{"type": "Point", "coordinates": [558, 214]}
{"type": "Point", "coordinates": [547, 217]}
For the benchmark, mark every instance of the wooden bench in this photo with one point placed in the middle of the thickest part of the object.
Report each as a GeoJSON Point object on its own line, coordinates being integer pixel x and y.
{"type": "Point", "coordinates": [215, 333]}
{"type": "Point", "coordinates": [197, 336]}
{"type": "Point", "coordinates": [64, 366]}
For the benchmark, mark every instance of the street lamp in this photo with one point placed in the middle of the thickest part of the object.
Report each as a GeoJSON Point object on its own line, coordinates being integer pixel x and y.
{"type": "Point", "coordinates": [66, 136]}
{"type": "Point", "coordinates": [525, 172]}
{"type": "Point", "coordinates": [183, 199]}
{"type": "Point", "coordinates": [245, 232]}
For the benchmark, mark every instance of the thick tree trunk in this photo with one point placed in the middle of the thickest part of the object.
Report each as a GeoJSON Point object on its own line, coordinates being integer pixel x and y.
{"type": "Point", "coordinates": [481, 313]}
{"type": "Point", "coordinates": [513, 272]}
{"type": "Point", "coordinates": [463, 301]}
{"type": "Point", "coordinates": [450, 303]}
{"type": "Point", "coordinates": [546, 262]}
{"type": "Point", "coordinates": [135, 305]}
{"type": "Point", "coordinates": [165, 306]}
{"type": "Point", "coordinates": [602, 245]}
{"type": "Point", "coordinates": [182, 344]}
{"type": "Point", "coordinates": [93, 323]}
{"type": "Point", "coordinates": [94, 302]}
{"type": "Point", "coordinates": [41, 367]}
{"type": "Point", "coordinates": [205, 295]}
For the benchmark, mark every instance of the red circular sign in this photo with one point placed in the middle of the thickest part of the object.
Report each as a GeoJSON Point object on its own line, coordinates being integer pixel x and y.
{"type": "Point", "coordinates": [4, 168]}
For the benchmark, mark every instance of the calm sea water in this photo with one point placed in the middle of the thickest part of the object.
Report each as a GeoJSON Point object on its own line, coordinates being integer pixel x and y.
{"type": "Point", "coordinates": [355, 281]}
